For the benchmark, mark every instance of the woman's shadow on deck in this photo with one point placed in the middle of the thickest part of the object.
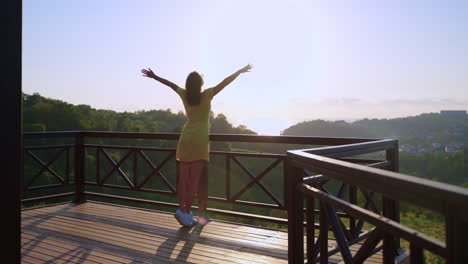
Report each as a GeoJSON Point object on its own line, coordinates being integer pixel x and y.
{"type": "Point", "coordinates": [190, 235]}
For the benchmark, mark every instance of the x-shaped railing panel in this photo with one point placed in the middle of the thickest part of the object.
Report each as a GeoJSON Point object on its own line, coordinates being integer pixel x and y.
{"type": "Point", "coordinates": [116, 167]}
{"type": "Point", "coordinates": [156, 169]}
{"type": "Point", "coordinates": [45, 167]}
{"type": "Point", "coordinates": [343, 236]}
{"type": "Point", "coordinates": [257, 180]}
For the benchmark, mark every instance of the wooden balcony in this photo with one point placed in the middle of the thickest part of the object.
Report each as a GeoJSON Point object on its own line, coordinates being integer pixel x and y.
{"type": "Point", "coordinates": [96, 232]}
{"type": "Point", "coordinates": [327, 228]}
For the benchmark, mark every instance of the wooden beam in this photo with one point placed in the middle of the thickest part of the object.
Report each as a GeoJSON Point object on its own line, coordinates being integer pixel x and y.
{"type": "Point", "coordinates": [456, 237]}
{"type": "Point", "coordinates": [306, 140]}
{"type": "Point", "coordinates": [379, 221]}
{"type": "Point", "coordinates": [10, 83]}
{"type": "Point", "coordinates": [366, 249]}
{"type": "Point", "coordinates": [294, 204]}
{"type": "Point", "coordinates": [392, 184]}
{"type": "Point", "coordinates": [323, 234]}
{"type": "Point", "coordinates": [79, 169]}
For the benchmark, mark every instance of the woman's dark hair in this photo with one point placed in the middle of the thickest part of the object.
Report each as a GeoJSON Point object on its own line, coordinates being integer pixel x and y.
{"type": "Point", "coordinates": [193, 85]}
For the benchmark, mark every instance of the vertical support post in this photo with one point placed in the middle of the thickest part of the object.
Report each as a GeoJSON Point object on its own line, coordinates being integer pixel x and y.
{"type": "Point", "coordinates": [310, 227]}
{"type": "Point", "coordinates": [135, 169]}
{"type": "Point", "coordinates": [228, 177]}
{"type": "Point", "coordinates": [323, 234]}
{"type": "Point", "coordinates": [294, 203]}
{"type": "Point", "coordinates": [352, 220]}
{"type": "Point", "coordinates": [456, 238]}
{"type": "Point", "coordinates": [389, 243]}
{"type": "Point", "coordinates": [98, 165]}
{"type": "Point", "coordinates": [67, 165]}
{"type": "Point", "coordinates": [416, 254]}
{"type": "Point", "coordinates": [11, 16]}
{"type": "Point", "coordinates": [21, 178]}
{"type": "Point", "coordinates": [392, 156]}
{"type": "Point", "coordinates": [79, 168]}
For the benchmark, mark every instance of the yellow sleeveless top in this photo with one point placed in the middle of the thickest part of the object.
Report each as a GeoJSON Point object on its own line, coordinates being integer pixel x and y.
{"type": "Point", "coordinates": [194, 141]}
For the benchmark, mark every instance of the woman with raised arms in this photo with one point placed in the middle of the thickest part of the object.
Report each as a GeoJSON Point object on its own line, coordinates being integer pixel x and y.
{"type": "Point", "coordinates": [194, 146]}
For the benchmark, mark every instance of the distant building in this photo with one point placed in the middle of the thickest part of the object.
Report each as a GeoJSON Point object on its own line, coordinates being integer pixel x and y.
{"type": "Point", "coordinates": [450, 148]}
{"type": "Point", "coordinates": [453, 112]}
{"type": "Point", "coordinates": [436, 145]}
{"type": "Point", "coordinates": [414, 150]}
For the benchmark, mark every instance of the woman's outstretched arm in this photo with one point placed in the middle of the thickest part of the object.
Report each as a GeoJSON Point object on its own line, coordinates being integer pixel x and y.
{"type": "Point", "coordinates": [150, 74]}
{"type": "Point", "coordinates": [231, 78]}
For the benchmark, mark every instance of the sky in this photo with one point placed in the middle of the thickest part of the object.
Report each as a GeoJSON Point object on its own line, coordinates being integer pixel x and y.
{"type": "Point", "coordinates": [332, 60]}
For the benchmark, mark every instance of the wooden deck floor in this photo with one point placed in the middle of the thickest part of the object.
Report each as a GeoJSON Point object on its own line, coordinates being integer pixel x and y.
{"type": "Point", "coordinates": [95, 232]}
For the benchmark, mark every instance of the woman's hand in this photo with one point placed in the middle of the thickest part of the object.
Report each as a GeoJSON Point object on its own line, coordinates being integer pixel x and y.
{"type": "Point", "coordinates": [246, 69]}
{"type": "Point", "coordinates": [148, 73]}
{"type": "Point", "coordinates": [231, 78]}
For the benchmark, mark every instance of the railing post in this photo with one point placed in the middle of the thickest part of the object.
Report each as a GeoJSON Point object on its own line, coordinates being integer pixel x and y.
{"type": "Point", "coordinates": [456, 237]}
{"type": "Point", "coordinates": [294, 203]}
{"type": "Point", "coordinates": [135, 169]}
{"type": "Point", "coordinates": [393, 209]}
{"type": "Point", "coordinates": [310, 229]}
{"type": "Point", "coordinates": [79, 168]}
{"type": "Point", "coordinates": [98, 166]}
{"type": "Point", "coordinates": [389, 241]}
{"type": "Point", "coordinates": [323, 234]}
{"type": "Point", "coordinates": [352, 220]}
{"type": "Point", "coordinates": [228, 177]}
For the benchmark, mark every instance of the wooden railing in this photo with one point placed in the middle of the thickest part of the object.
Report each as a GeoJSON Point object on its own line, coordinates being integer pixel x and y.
{"type": "Point", "coordinates": [306, 174]}
{"type": "Point", "coordinates": [138, 155]}
{"type": "Point", "coordinates": [450, 201]}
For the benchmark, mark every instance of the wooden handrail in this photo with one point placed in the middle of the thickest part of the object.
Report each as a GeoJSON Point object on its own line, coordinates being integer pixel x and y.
{"type": "Point", "coordinates": [422, 192]}
{"type": "Point", "coordinates": [50, 134]}
{"type": "Point", "coordinates": [451, 201]}
{"type": "Point", "coordinates": [306, 140]}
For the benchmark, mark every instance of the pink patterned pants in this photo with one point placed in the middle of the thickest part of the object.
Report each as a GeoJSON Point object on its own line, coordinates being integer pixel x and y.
{"type": "Point", "coordinates": [193, 182]}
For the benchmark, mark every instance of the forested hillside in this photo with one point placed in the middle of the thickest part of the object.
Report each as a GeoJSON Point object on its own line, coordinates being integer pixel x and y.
{"type": "Point", "coordinates": [422, 141]}
{"type": "Point", "coordinates": [423, 129]}
{"type": "Point", "coordinates": [45, 114]}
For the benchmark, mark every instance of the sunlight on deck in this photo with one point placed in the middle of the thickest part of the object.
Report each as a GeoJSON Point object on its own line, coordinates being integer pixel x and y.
{"type": "Point", "coordinates": [95, 232]}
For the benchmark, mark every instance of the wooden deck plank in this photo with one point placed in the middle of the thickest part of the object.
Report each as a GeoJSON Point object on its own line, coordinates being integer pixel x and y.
{"type": "Point", "coordinates": [30, 260]}
{"type": "Point", "coordinates": [249, 230]}
{"type": "Point", "coordinates": [64, 246]}
{"type": "Point", "coordinates": [48, 256]}
{"type": "Point", "coordinates": [150, 216]}
{"type": "Point", "coordinates": [142, 247]}
{"type": "Point", "coordinates": [127, 240]}
{"type": "Point", "coordinates": [76, 255]}
{"type": "Point", "coordinates": [166, 220]}
{"type": "Point", "coordinates": [105, 247]}
{"type": "Point", "coordinates": [60, 221]}
{"type": "Point", "coordinates": [169, 230]}
{"type": "Point", "coordinates": [97, 232]}
{"type": "Point", "coordinates": [174, 227]}
{"type": "Point", "coordinates": [158, 239]}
